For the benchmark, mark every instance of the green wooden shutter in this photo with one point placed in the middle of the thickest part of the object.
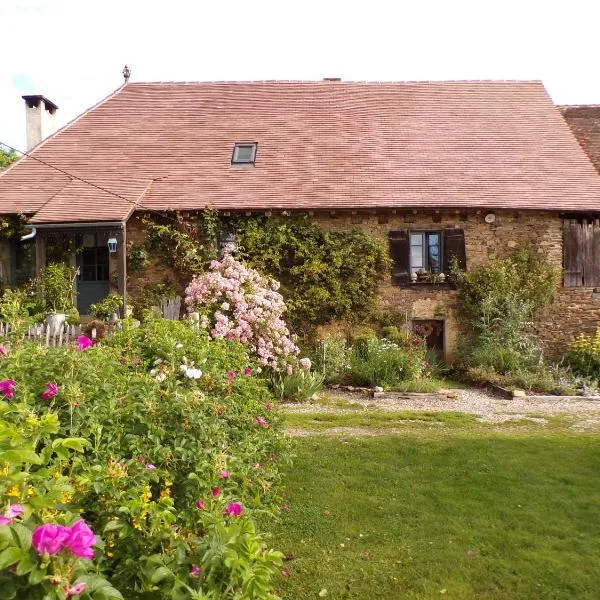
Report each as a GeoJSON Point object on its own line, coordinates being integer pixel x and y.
{"type": "Point", "coordinates": [400, 254]}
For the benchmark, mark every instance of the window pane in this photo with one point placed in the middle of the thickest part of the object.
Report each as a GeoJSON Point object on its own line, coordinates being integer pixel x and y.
{"type": "Point", "coordinates": [416, 252]}
{"type": "Point", "coordinates": [433, 252]}
{"type": "Point", "coordinates": [244, 153]}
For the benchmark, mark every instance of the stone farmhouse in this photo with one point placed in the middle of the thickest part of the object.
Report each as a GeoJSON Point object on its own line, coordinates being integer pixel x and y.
{"type": "Point", "coordinates": [439, 169]}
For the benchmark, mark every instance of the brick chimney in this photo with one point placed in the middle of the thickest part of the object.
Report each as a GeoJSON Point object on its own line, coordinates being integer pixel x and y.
{"type": "Point", "coordinates": [39, 119]}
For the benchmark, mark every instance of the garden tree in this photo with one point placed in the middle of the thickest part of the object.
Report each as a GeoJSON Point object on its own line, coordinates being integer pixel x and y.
{"type": "Point", "coordinates": [7, 157]}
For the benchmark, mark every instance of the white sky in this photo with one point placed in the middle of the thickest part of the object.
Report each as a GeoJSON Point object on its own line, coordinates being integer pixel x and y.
{"type": "Point", "coordinates": [73, 51]}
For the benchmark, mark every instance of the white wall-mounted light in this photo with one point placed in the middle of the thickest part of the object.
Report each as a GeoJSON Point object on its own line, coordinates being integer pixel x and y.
{"type": "Point", "coordinates": [112, 245]}
{"type": "Point", "coordinates": [490, 218]}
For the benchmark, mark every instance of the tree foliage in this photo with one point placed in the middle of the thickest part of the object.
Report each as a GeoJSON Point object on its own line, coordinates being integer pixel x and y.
{"type": "Point", "coordinates": [7, 157]}
{"type": "Point", "coordinates": [324, 275]}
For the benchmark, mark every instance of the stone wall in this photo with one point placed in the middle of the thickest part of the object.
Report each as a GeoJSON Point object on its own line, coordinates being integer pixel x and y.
{"type": "Point", "coordinates": [575, 309]}
{"type": "Point", "coordinates": [157, 271]}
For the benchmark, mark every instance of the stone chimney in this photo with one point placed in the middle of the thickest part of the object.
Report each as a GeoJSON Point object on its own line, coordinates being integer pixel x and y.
{"type": "Point", "coordinates": [39, 119]}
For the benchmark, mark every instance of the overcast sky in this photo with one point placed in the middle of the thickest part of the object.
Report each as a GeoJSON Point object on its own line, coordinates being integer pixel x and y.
{"type": "Point", "coordinates": [73, 51]}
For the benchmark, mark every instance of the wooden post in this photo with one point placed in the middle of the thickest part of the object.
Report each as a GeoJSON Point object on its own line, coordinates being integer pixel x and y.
{"type": "Point", "coordinates": [122, 266]}
{"type": "Point", "coordinates": [40, 253]}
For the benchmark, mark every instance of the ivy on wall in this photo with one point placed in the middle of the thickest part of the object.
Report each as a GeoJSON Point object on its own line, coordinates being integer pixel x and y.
{"type": "Point", "coordinates": [13, 227]}
{"type": "Point", "coordinates": [324, 275]}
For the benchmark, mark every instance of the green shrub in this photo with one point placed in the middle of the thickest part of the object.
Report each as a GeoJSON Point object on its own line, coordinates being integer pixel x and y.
{"type": "Point", "coordinates": [330, 358]}
{"type": "Point", "coordinates": [105, 308]}
{"type": "Point", "coordinates": [498, 304]}
{"type": "Point", "coordinates": [379, 362]}
{"type": "Point", "coordinates": [56, 286]}
{"type": "Point", "coordinates": [583, 355]}
{"type": "Point", "coordinates": [299, 386]}
{"type": "Point", "coordinates": [324, 275]}
{"type": "Point", "coordinates": [165, 416]}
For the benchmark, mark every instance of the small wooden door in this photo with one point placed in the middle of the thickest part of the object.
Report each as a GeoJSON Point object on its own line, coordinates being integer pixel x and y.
{"type": "Point", "coordinates": [93, 283]}
{"type": "Point", "coordinates": [432, 331]}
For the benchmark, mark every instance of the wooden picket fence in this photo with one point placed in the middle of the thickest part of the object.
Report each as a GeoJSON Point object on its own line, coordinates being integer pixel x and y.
{"type": "Point", "coordinates": [62, 334]}
{"type": "Point", "coordinates": [46, 334]}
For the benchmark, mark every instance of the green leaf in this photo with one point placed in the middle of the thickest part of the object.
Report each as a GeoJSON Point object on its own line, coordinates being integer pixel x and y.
{"type": "Point", "coordinates": [22, 536]}
{"type": "Point", "coordinates": [36, 576]}
{"type": "Point", "coordinates": [77, 444]}
{"type": "Point", "coordinates": [6, 537]}
{"type": "Point", "coordinates": [9, 557]}
{"type": "Point", "coordinates": [20, 456]}
{"type": "Point", "coordinates": [160, 574]}
{"type": "Point", "coordinates": [114, 525]}
{"type": "Point", "coordinates": [26, 565]}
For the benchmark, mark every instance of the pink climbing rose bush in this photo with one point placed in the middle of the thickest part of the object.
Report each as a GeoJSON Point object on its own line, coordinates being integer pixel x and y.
{"type": "Point", "coordinates": [238, 303]}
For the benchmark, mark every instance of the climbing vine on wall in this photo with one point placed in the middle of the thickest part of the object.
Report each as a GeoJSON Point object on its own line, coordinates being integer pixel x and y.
{"type": "Point", "coordinates": [324, 275]}
{"type": "Point", "coordinates": [13, 227]}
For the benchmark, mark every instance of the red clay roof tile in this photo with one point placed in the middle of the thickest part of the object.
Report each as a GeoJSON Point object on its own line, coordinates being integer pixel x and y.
{"type": "Point", "coordinates": [321, 145]}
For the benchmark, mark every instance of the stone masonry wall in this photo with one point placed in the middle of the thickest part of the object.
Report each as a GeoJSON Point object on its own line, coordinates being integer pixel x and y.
{"type": "Point", "coordinates": [155, 272]}
{"type": "Point", "coordinates": [575, 309]}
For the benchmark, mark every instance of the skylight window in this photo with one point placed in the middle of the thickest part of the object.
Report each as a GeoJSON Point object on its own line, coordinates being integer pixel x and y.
{"type": "Point", "coordinates": [244, 154]}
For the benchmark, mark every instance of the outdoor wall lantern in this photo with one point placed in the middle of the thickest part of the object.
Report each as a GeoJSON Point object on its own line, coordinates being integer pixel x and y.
{"type": "Point", "coordinates": [112, 245]}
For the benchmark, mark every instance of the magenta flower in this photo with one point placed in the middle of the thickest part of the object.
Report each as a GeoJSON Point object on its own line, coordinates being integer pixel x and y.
{"type": "Point", "coordinates": [195, 571]}
{"type": "Point", "coordinates": [5, 520]}
{"type": "Point", "coordinates": [3, 351]}
{"type": "Point", "coordinates": [150, 467]}
{"type": "Point", "coordinates": [261, 422]}
{"type": "Point", "coordinates": [83, 342]}
{"type": "Point", "coordinates": [269, 405]}
{"type": "Point", "coordinates": [224, 474]}
{"type": "Point", "coordinates": [231, 374]}
{"type": "Point", "coordinates": [247, 371]}
{"type": "Point", "coordinates": [8, 387]}
{"type": "Point", "coordinates": [50, 539]}
{"type": "Point", "coordinates": [285, 574]}
{"type": "Point", "coordinates": [216, 491]}
{"type": "Point", "coordinates": [234, 509]}
{"type": "Point", "coordinates": [14, 510]}
{"type": "Point", "coordinates": [200, 504]}
{"type": "Point", "coordinates": [81, 539]}
{"type": "Point", "coordinates": [51, 391]}
{"type": "Point", "coordinates": [76, 589]}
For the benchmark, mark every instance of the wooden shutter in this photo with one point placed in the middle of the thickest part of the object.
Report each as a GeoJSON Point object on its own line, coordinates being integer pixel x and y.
{"type": "Point", "coordinates": [400, 254]}
{"type": "Point", "coordinates": [572, 253]}
{"type": "Point", "coordinates": [454, 246]}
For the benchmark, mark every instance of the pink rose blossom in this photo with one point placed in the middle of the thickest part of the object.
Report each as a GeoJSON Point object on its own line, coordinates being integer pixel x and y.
{"type": "Point", "coordinates": [8, 387]}
{"type": "Point", "coordinates": [247, 371]}
{"type": "Point", "coordinates": [231, 374]}
{"type": "Point", "coordinates": [224, 474]}
{"type": "Point", "coordinates": [285, 574]}
{"type": "Point", "coordinates": [3, 351]}
{"type": "Point", "coordinates": [195, 571]}
{"type": "Point", "coordinates": [150, 467]}
{"type": "Point", "coordinates": [5, 520]}
{"type": "Point", "coordinates": [76, 590]}
{"type": "Point", "coordinates": [269, 405]}
{"type": "Point", "coordinates": [215, 491]}
{"type": "Point", "coordinates": [200, 504]}
{"type": "Point", "coordinates": [261, 422]}
{"type": "Point", "coordinates": [83, 342]}
{"type": "Point", "coordinates": [233, 509]}
{"type": "Point", "coordinates": [50, 539]}
{"type": "Point", "coordinates": [81, 539]}
{"type": "Point", "coordinates": [14, 510]}
{"type": "Point", "coordinates": [51, 391]}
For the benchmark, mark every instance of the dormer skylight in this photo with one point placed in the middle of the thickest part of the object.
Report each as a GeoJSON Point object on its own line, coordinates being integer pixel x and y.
{"type": "Point", "coordinates": [244, 153]}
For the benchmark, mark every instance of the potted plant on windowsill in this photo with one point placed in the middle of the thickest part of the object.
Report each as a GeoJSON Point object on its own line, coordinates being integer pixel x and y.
{"type": "Point", "coordinates": [422, 276]}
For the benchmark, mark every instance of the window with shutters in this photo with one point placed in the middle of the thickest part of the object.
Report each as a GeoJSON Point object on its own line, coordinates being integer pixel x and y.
{"type": "Point", "coordinates": [414, 251]}
{"type": "Point", "coordinates": [581, 252]}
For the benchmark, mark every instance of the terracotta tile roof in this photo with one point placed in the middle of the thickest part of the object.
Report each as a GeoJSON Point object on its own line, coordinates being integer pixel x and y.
{"type": "Point", "coordinates": [584, 121]}
{"type": "Point", "coordinates": [321, 145]}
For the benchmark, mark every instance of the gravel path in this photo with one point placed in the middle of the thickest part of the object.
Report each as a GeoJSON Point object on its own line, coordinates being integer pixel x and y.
{"type": "Point", "coordinates": [487, 407]}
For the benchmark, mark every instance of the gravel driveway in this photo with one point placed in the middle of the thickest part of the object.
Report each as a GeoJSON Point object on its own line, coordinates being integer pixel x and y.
{"type": "Point", "coordinates": [487, 407]}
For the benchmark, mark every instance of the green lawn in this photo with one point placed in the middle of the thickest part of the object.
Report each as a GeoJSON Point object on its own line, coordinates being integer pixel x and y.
{"type": "Point", "coordinates": [460, 513]}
